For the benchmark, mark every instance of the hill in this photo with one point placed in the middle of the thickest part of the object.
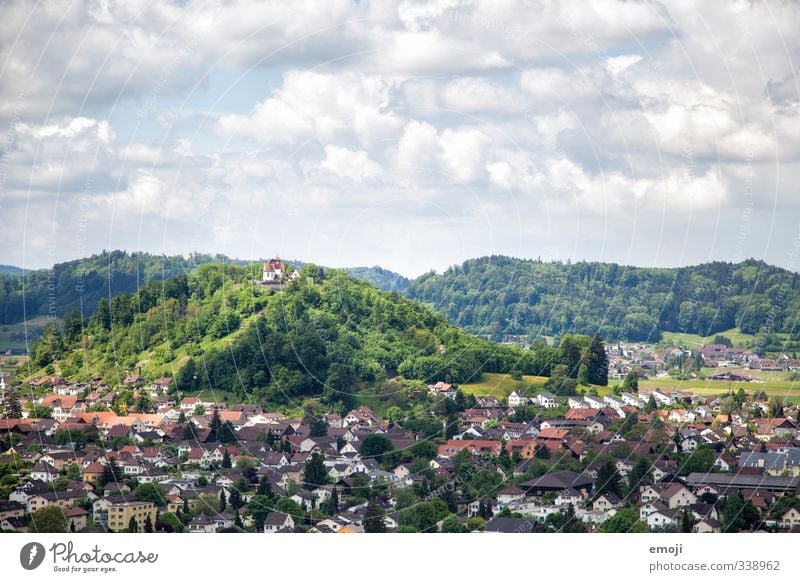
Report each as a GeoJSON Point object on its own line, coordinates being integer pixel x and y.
{"type": "Point", "coordinates": [380, 277]}
{"type": "Point", "coordinates": [326, 334]}
{"type": "Point", "coordinates": [10, 270]}
{"type": "Point", "coordinates": [79, 284]}
{"type": "Point", "coordinates": [497, 296]}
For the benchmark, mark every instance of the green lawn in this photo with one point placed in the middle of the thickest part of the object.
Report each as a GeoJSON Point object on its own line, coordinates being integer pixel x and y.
{"type": "Point", "coordinates": [773, 383]}
{"type": "Point", "coordinates": [501, 385]}
{"type": "Point", "coordinates": [691, 340]}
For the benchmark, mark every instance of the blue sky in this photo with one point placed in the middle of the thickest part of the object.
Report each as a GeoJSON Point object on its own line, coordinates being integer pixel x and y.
{"type": "Point", "coordinates": [408, 134]}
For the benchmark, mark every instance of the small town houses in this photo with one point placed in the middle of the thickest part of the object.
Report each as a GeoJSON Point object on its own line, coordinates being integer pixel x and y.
{"type": "Point", "coordinates": [665, 458]}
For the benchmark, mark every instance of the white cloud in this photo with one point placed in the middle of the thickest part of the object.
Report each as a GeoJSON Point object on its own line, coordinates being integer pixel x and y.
{"type": "Point", "coordinates": [472, 112]}
{"type": "Point", "coordinates": [353, 165]}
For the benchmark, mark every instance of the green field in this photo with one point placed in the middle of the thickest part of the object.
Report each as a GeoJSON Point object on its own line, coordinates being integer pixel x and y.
{"type": "Point", "coordinates": [774, 384]}
{"type": "Point", "coordinates": [501, 385]}
{"type": "Point", "coordinates": [690, 340]}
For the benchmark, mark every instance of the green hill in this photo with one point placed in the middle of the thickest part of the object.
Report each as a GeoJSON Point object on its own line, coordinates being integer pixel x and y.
{"type": "Point", "coordinates": [495, 296]}
{"type": "Point", "coordinates": [326, 334]}
{"type": "Point", "coordinates": [80, 284]}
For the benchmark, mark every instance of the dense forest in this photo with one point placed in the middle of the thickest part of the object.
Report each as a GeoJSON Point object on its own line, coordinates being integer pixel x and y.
{"type": "Point", "coordinates": [325, 335]}
{"type": "Point", "coordinates": [81, 283]}
{"type": "Point", "coordinates": [496, 296]}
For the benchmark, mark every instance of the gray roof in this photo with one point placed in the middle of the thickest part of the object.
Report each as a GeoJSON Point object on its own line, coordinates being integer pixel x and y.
{"type": "Point", "coordinates": [739, 481]}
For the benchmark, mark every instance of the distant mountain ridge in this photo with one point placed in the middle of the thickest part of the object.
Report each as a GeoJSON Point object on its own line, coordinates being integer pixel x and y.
{"type": "Point", "coordinates": [498, 295]}
{"type": "Point", "coordinates": [11, 270]}
{"type": "Point", "coordinates": [492, 296]}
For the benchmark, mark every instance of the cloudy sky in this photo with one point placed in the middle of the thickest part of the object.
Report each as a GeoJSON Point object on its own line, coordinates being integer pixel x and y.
{"type": "Point", "coordinates": [408, 134]}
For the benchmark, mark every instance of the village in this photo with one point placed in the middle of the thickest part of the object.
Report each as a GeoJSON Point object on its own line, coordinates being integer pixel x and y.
{"type": "Point", "coordinates": [638, 459]}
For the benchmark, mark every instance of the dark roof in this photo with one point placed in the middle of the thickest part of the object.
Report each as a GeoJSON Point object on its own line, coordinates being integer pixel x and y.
{"type": "Point", "coordinates": [742, 481]}
{"type": "Point", "coordinates": [275, 518]}
{"type": "Point", "coordinates": [558, 480]}
{"type": "Point", "coordinates": [509, 525]}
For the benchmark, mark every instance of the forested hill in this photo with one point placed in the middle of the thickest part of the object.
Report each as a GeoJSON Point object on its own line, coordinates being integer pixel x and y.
{"type": "Point", "coordinates": [10, 270]}
{"type": "Point", "coordinates": [326, 334]}
{"type": "Point", "coordinates": [499, 295]}
{"type": "Point", "coordinates": [81, 283]}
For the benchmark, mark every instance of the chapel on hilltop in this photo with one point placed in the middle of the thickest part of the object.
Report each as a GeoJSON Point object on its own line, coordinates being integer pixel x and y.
{"type": "Point", "coordinates": [273, 271]}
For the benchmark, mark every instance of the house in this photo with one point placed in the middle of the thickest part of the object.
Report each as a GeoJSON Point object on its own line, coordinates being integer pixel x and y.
{"type": "Point", "coordinates": [202, 524]}
{"type": "Point", "coordinates": [509, 494]}
{"type": "Point", "coordinates": [547, 400]}
{"type": "Point", "coordinates": [790, 517]}
{"type": "Point", "coordinates": [44, 472]}
{"type": "Point", "coordinates": [277, 521]}
{"type": "Point", "coordinates": [594, 402]}
{"type": "Point", "coordinates": [77, 518]}
{"type": "Point", "coordinates": [476, 447]}
{"type": "Point", "coordinates": [515, 400]}
{"type": "Point", "coordinates": [707, 525]}
{"type": "Point", "coordinates": [558, 481]}
{"type": "Point", "coordinates": [676, 495]}
{"type": "Point", "coordinates": [606, 501]}
{"type": "Point", "coordinates": [123, 513]}
{"type": "Point", "coordinates": [663, 518]}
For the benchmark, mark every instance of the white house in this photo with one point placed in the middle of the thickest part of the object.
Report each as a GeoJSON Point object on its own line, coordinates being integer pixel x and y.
{"type": "Point", "coordinates": [515, 400]}
{"type": "Point", "coordinates": [547, 400]}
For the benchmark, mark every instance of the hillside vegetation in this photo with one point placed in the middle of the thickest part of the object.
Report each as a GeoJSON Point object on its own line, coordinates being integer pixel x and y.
{"type": "Point", "coordinates": [325, 335]}
{"type": "Point", "coordinates": [81, 283]}
{"type": "Point", "coordinates": [496, 296]}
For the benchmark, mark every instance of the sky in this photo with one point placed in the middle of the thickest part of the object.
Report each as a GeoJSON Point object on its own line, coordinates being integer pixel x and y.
{"type": "Point", "coordinates": [412, 135]}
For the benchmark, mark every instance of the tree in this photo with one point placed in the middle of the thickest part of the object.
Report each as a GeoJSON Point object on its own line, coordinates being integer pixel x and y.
{"type": "Point", "coordinates": [133, 525]}
{"type": "Point", "coordinates": [235, 499]}
{"type": "Point", "coordinates": [332, 503]}
{"type": "Point", "coordinates": [150, 492]}
{"type": "Point", "coordinates": [227, 433]}
{"type": "Point", "coordinates": [701, 460]}
{"type": "Point", "coordinates": [148, 524]}
{"type": "Point", "coordinates": [316, 424]}
{"type": "Point", "coordinates": [315, 472]}
{"type": "Point", "coordinates": [186, 380]}
{"type": "Point", "coordinates": [226, 460]}
{"type": "Point", "coordinates": [583, 375]}
{"type": "Point", "coordinates": [452, 525]}
{"type": "Point", "coordinates": [169, 522]}
{"type": "Point", "coordinates": [608, 480]}
{"type": "Point", "coordinates": [373, 518]}
{"type": "Point", "coordinates": [687, 522]}
{"type": "Point", "coordinates": [112, 473]}
{"type": "Point", "coordinates": [237, 521]}
{"type": "Point", "coordinates": [265, 488]}
{"type": "Point", "coordinates": [214, 426]}
{"type": "Point", "coordinates": [375, 446]}
{"type": "Point", "coordinates": [624, 521]}
{"type": "Point", "coordinates": [223, 501]}
{"type": "Point", "coordinates": [631, 382]}
{"type": "Point", "coordinates": [738, 514]}
{"type": "Point", "coordinates": [11, 405]}
{"type": "Point", "coordinates": [49, 519]}
{"type": "Point", "coordinates": [597, 362]}
{"type": "Point", "coordinates": [259, 507]}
